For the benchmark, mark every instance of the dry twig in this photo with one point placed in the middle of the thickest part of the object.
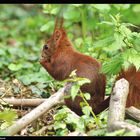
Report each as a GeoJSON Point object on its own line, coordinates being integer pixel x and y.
{"type": "Point", "coordinates": [38, 111]}
{"type": "Point", "coordinates": [117, 108]}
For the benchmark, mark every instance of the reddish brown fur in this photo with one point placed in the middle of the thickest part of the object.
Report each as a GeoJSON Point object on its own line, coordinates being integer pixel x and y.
{"type": "Point", "coordinates": [60, 59]}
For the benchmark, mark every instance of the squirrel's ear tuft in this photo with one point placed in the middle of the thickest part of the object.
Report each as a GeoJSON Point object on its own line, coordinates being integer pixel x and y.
{"type": "Point", "coordinates": [57, 35]}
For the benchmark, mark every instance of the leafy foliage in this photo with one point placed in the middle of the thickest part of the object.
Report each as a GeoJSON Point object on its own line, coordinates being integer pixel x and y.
{"type": "Point", "coordinates": [108, 32]}
{"type": "Point", "coordinates": [127, 53]}
{"type": "Point", "coordinates": [65, 122]}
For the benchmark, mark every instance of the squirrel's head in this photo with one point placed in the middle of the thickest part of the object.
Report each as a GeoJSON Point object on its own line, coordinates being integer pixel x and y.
{"type": "Point", "coordinates": [54, 41]}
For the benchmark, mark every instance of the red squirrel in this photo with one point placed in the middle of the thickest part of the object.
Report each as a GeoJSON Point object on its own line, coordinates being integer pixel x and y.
{"type": "Point", "coordinates": [59, 58]}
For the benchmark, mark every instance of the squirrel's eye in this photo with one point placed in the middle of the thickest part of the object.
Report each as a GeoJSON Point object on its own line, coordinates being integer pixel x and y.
{"type": "Point", "coordinates": [45, 47]}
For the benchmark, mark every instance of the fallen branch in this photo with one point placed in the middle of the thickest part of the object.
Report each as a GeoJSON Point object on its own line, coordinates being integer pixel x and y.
{"type": "Point", "coordinates": [23, 102]}
{"type": "Point", "coordinates": [118, 102]}
{"type": "Point", "coordinates": [133, 113]}
{"type": "Point", "coordinates": [38, 111]}
{"type": "Point", "coordinates": [128, 127]}
{"type": "Point", "coordinates": [117, 108]}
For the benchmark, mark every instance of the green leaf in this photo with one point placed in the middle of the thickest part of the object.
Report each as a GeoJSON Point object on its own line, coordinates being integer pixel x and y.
{"type": "Point", "coordinates": [59, 125]}
{"type": "Point", "coordinates": [86, 110]}
{"type": "Point", "coordinates": [114, 20]}
{"type": "Point", "coordinates": [113, 66]}
{"type": "Point", "coordinates": [129, 24]}
{"type": "Point", "coordinates": [51, 9]}
{"type": "Point", "coordinates": [36, 78]}
{"type": "Point", "coordinates": [71, 13]}
{"type": "Point", "coordinates": [27, 65]}
{"type": "Point", "coordinates": [8, 115]}
{"type": "Point", "coordinates": [132, 57]}
{"type": "Point", "coordinates": [118, 40]}
{"type": "Point", "coordinates": [83, 81]}
{"type": "Point", "coordinates": [136, 8]}
{"type": "Point", "coordinates": [106, 22]}
{"type": "Point", "coordinates": [49, 25]}
{"type": "Point", "coordinates": [104, 42]}
{"type": "Point", "coordinates": [61, 114]}
{"type": "Point", "coordinates": [135, 60]}
{"type": "Point", "coordinates": [87, 96]}
{"type": "Point", "coordinates": [74, 91]}
{"type": "Point", "coordinates": [70, 119]}
{"type": "Point", "coordinates": [15, 67]}
{"type": "Point", "coordinates": [35, 90]}
{"type": "Point", "coordinates": [63, 132]}
{"type": "Point", "coordinates": [5, 124]}
{"type": "Point", "coordinates": [125, 31]}
{"type": "Point", "coordinates": [82, 104]}
{"type": "Point", "coordinates": [2, 52]}
{"type": "Point", "coordinates": [102, 7]}
{"type": "Point", "coordinates": [115, 46]}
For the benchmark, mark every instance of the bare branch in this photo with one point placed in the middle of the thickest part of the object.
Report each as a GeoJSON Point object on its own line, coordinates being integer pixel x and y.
{"type": "Point", "coordinates": [117, 108]}
{"type": "Point", "coordinates": [38, 111]}
{"type": "Point", "coordinates": [118, 102]}
{"type": "Point", "coordinates": [128, 127]}
{"type": "Point", "coordinates": [23, 102]}
{"type": "Point", "coordinates": [133, 113]}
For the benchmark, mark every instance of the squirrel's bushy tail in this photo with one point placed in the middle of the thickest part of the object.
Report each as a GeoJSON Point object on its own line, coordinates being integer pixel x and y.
{"type": "Point", "coordinates": [133, 77]}
{"type": "Point", "coordinates": [133, 99]}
